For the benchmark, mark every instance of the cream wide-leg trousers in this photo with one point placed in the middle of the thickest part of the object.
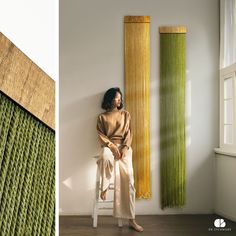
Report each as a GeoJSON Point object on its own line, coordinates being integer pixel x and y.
{"type": "Point", "coordinates": [124, 190]}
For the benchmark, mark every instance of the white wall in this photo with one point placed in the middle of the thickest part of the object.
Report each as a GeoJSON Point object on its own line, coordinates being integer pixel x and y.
{"type": "Point", "coordinates": [225, 191]}
{"type": "Point", "coordinates": [92, 60]}
{"type": "Point", "coordinates": [32, 25]}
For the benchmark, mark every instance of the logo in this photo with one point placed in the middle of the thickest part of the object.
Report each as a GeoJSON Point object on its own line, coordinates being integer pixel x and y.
{"type": "Point", "coordinates": [219, 223]}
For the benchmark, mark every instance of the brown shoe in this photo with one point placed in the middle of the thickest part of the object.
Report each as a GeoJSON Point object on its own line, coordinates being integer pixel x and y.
{"type": "Point", "coordinates": [135, 226]}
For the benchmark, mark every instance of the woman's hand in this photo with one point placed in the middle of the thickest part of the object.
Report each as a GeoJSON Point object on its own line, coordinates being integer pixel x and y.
{"type": "Point", "coordinates": [115, 151]}
{"type": "Point", "coordinates": [123, 151]}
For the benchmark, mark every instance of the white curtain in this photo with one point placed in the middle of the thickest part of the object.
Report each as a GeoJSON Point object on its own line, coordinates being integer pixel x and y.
{"type": "Point", "coordinates": [227, 32]}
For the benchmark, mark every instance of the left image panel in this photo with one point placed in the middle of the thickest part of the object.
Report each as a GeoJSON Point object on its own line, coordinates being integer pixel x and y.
{"type": "Point", "coordinates": [27, 145]}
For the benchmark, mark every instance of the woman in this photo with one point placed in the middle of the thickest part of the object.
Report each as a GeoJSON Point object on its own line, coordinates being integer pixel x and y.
{"type": "Point", "coordinates": [114, 131]}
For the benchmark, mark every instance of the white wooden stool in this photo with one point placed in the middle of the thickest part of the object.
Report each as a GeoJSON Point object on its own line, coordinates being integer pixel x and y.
{"type": "Point", "coordinates": [99, 203]}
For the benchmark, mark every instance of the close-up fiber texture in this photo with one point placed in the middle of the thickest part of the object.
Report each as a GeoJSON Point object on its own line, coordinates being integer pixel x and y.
{"type": "Point", "coordinates": [27, 172]}
{"type": "Point", "coordinates": [172, 119]}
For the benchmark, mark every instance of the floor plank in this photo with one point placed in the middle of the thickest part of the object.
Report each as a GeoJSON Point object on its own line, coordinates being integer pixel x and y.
{"type": "Point", "coordinates": [154, 225]}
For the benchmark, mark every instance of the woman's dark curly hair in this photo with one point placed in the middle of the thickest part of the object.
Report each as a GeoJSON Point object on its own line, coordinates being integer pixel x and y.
{"type": "Point", "coordinates": [109, 97]}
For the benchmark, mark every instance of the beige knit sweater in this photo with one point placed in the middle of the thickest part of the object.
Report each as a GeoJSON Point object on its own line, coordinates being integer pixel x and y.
{"type": "Point", "coordinates": [114, 127]}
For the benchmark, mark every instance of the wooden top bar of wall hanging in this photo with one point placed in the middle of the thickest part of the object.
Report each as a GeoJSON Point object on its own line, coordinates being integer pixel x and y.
{"type": "Point", "coordinates": [173, 29]}
{"type": "Point", "coordinates": [137, 19]}
{"type": "Point", "coordinates": [24, 82]}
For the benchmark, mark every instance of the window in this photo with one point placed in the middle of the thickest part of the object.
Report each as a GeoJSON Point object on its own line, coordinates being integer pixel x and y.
{"type": "Point", "coordinates": [228, 75]}
{"type": "Point", "coordinates": [228, 108]}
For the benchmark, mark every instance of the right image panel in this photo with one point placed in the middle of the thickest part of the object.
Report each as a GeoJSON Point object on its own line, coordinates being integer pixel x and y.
{"type": "Point", "coordinates": [147, 117]}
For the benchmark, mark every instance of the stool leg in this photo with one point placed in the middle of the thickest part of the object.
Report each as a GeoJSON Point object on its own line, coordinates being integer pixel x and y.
{"type": "Point", "coordinates": [95, 208]}
{"type": "Point", "coordinates": [120, 223]}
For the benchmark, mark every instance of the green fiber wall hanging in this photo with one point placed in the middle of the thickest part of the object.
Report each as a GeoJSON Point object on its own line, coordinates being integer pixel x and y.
{"type": "Point", "coordinates": [27, 173]}
{"type": "Point", "coordinates": [172, 116]}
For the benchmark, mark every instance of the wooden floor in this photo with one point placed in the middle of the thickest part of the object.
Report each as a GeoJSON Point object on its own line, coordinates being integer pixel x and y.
{"type": "Point", "coordinates": [154, 225]}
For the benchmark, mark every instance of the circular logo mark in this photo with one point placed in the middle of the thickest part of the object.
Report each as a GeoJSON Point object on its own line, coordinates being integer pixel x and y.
{"type": "Point", "coordinates": [219, 223]}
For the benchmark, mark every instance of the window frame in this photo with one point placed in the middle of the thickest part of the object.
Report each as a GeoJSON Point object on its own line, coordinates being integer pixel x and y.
{"type": "Point", "coordinates": [224, 74]}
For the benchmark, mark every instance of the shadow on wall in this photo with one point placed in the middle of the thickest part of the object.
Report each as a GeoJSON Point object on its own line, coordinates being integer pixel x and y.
{"type": "Point", "coordinates": [78, 145]}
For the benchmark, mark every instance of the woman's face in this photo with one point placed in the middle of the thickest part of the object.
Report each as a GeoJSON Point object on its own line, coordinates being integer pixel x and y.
{"type": "Point", "coordinates": [117, 100]}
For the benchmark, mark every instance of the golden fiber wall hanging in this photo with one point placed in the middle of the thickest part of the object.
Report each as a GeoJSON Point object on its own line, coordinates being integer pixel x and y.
{"type": "Point", "coordinates": [27, 145]}
{"type": "Point", "coordinates": [137, 77]}
{"type": "Point", "coordinates": [172, 115]}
